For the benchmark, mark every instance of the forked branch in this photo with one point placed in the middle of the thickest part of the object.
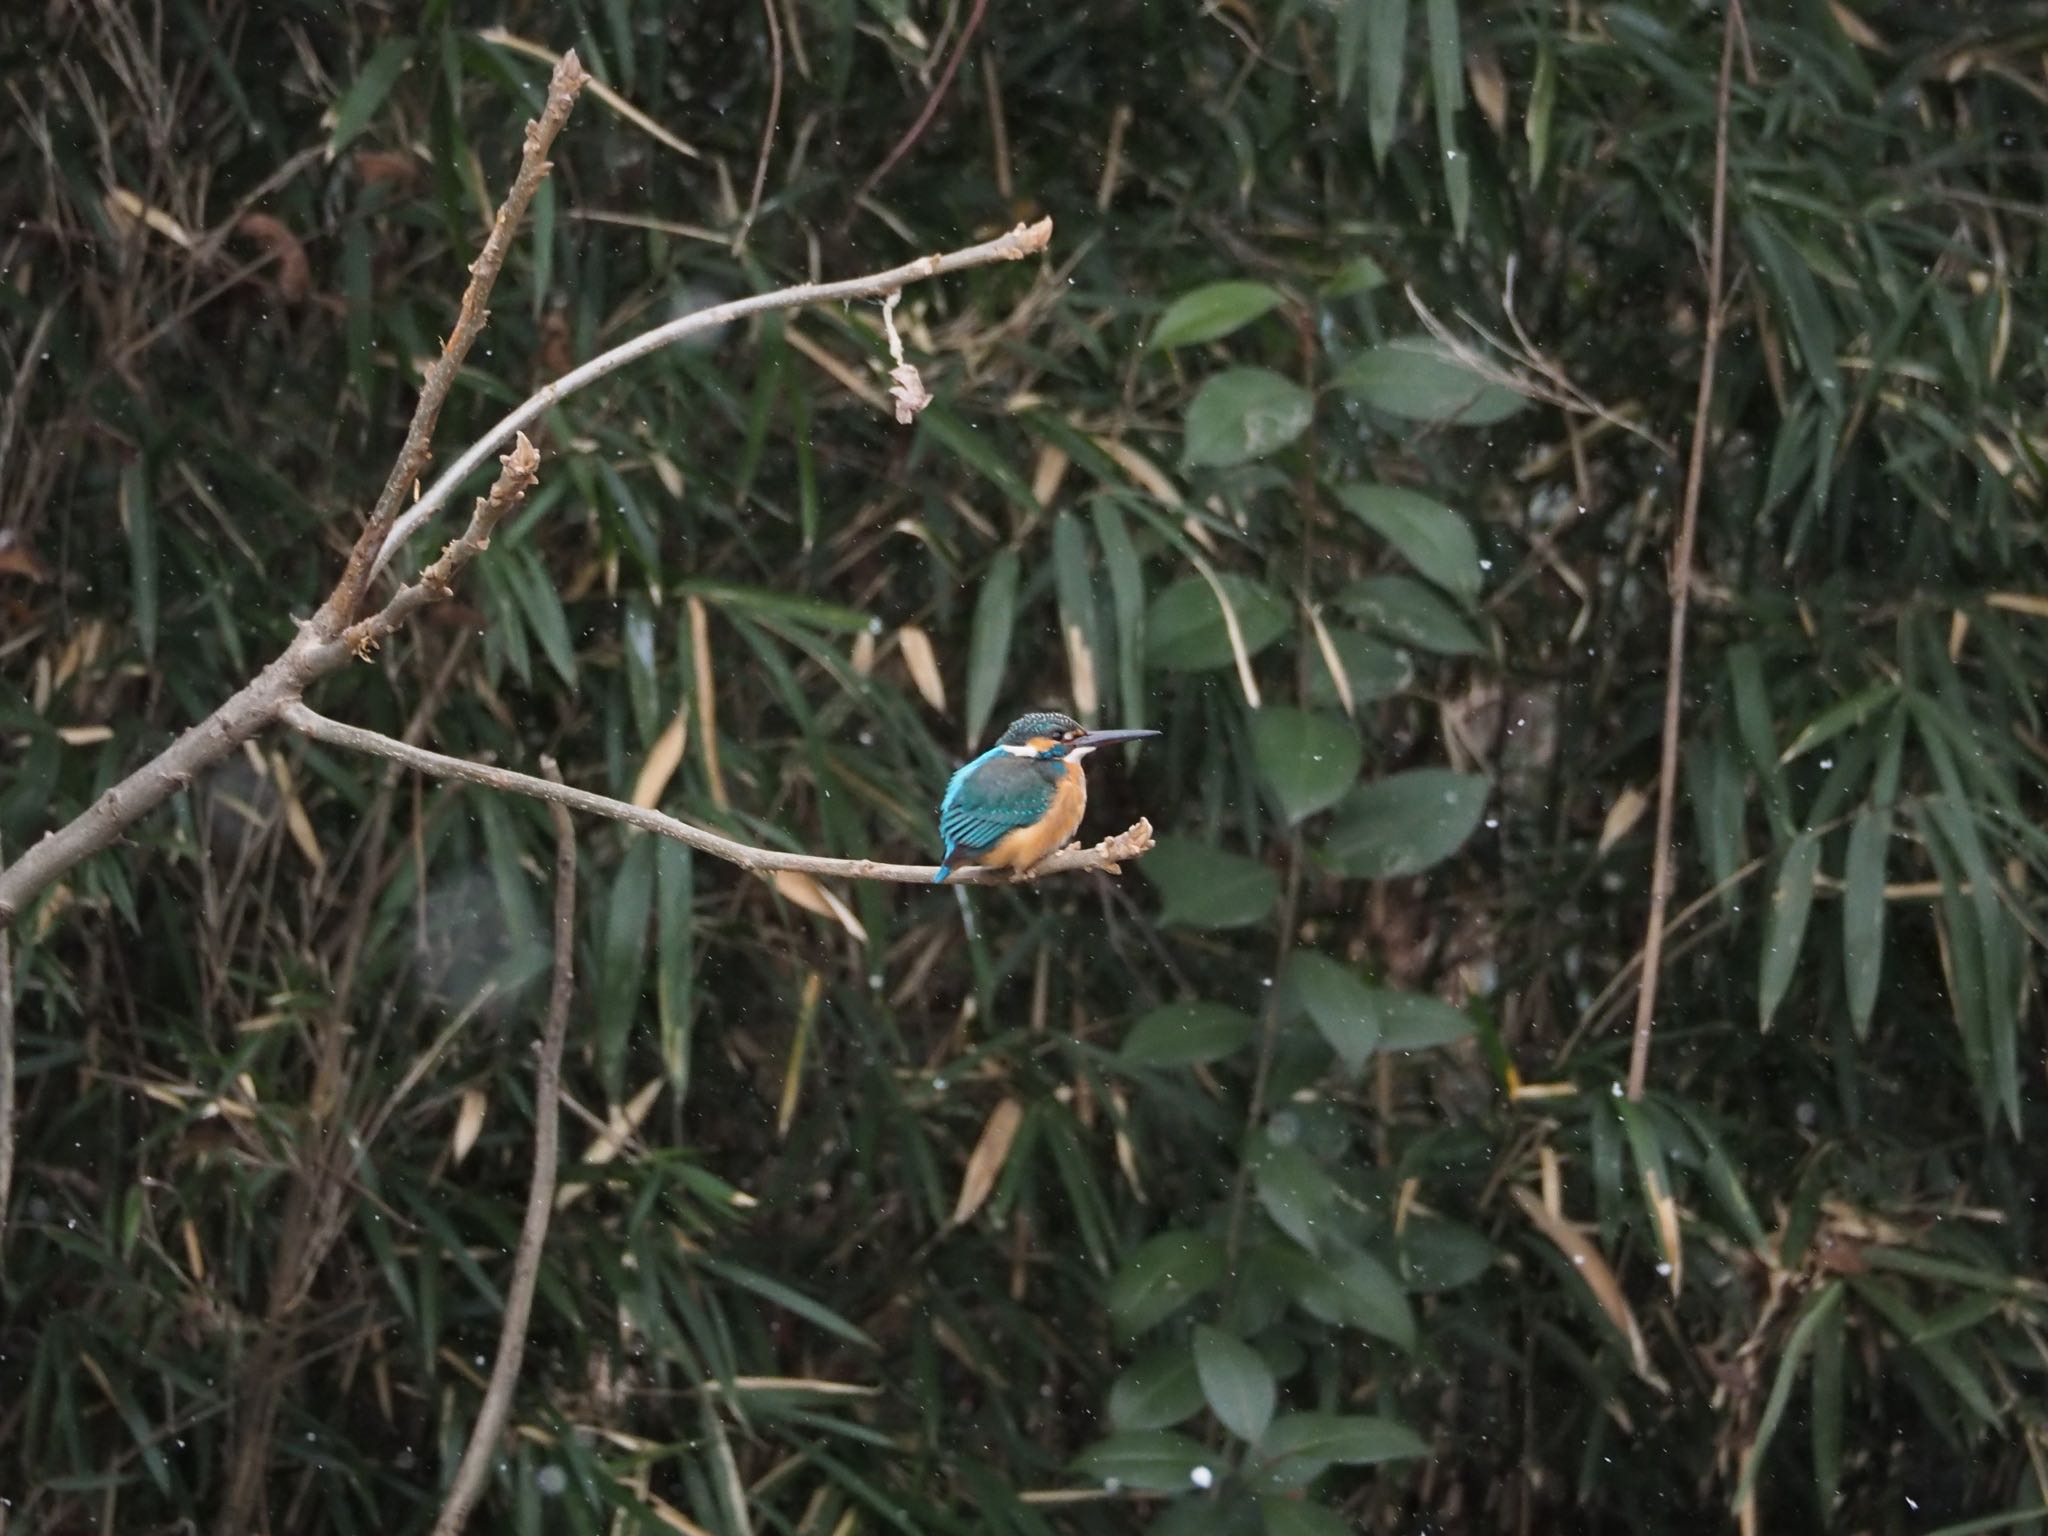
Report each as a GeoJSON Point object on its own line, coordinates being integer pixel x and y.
{"type": "Point", "coordinates": [328, 640]}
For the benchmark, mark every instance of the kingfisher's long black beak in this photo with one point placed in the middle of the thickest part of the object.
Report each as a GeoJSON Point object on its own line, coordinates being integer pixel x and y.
{"type": "Point", "coordinates": [1104, 738]}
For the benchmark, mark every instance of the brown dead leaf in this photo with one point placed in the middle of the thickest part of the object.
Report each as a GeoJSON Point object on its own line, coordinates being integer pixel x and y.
{"type": "Point", "coordinates": [17, 559]}
{"type": "Point", "coordinates": [663, 758]}
{"type": "Point", "coordinates": [1047, 474]}
{"type": "Point", "coordinates": [294, 273]}
{"type": "Point", "coordinates": [1622, 817]}
{"type": "Point", "coordinates": [620, 1128]}
{"type": "Point", "coordinates": [1593, 1268]}
{"type": "Point", "coordinates": [469, 1123]}
{"type": "Point", "coordinates": [908, 392]}
{"type": "Point", "coordinates": [923, 663]}
{"type": "Point", "coordinates": [986, 1161]}
{"type": "Point", "coordinates": [813, 897]}
{"type": "Point", "coordinates": [1489, 87]}
{"type": "Point", "coordinates": [296, 821]}
{"type": "Point", "coordinates": [377, 166]}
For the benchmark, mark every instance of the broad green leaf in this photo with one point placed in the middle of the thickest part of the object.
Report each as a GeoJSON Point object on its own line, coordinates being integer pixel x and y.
{"type": "Point", "coordinates": [1146, 1461]}
{"type": "Point", "coordinates": [359, 103]}
{"type": "Point", "coordinates": [1405, 823]}
{"type": "Point", "coordinates": [1785, 923]}
{"type": "Point", "coordinates": [1294, 1191]}
{"type": "Point", "coordinates": [1168, 1271]}
{"type": "Point", "coordinates": [1414, 378]}
{"type": "Point", "coordinates": [1415, 1021]}
{"type": "Point", "coordinates": [1427, 534]}
{"type": "Point", "coordinates": [1372, 1299]}
{"type": "Point", "coordinates": [1236, 1382]}
{"type": "Point", "coordinates": [1300, 1440]}
{"type": "Point", "coordinates": [1158, 1391]}
{"type": "Point", "coordinates": [1212, 312]}
{"type": "Point", "coordinates": [1243, 414]}
{"type": "Point", "coordinates": [1863, 913]}
{"type": "Point", "coordinates": [1298, 1517]}
{"type": "Point", "coordinates": [1185, 630]}
{"type": "Point", "coordinates": [1373, 670]}
{"type": "Point", "coordinates": [1385, 30]}
{"type": "Point", "coordinates": [1408, 611]}
{"type": "Point", "coordinates": [1204, 887]}
{"type": "Point", "coordinates": [988, 648]}
{"type": "Point", "coordinates": [1182, 1034]}
{"type": "Point", "coordinates": [1341, 1007]}
{"type": "Point", "coordinates": [1361, 274]}
{"type": "Point", "coordinates": [1309, 760]}
{"type": "Point", "coordinates": [1436, 1254]}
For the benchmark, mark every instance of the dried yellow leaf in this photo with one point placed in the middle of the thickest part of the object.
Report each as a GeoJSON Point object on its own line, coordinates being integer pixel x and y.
{"type": "Point", "coordinates": [986, 1161]}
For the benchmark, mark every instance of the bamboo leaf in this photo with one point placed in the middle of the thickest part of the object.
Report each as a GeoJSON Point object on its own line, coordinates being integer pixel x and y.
{"type": "Point", "coordinates": [1863, 913]}
{"type": "Point", "coordinates": [1385, 34]}
{"type": "Point", "coordinates": [988, 649]}
{"type": "Point", "coordinates": [1785, 924]}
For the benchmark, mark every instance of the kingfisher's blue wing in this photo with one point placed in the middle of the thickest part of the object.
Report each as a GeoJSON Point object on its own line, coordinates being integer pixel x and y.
{"type": "Point", "coordinates": [995, 794]}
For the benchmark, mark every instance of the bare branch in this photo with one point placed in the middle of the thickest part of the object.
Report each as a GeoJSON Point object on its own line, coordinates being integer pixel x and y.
{"type": "Point", "coordinates": [568, 79]}
{"type": "Point", "coordinates": [519, 469]}
{"type": "Point", "coordinates": [1681, 582]}
{"type": "Point", "coordinates": [1106, 856]}
{"type": "Point", "coordinates": [496, 1407]}
{"type": "Point", "coordinates": [1025, 240]}
{"type": "Point", "coordinates": [321, 646]}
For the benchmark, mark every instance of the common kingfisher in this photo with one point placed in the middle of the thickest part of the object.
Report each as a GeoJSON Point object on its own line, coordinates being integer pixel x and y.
{"type": "Point", "coordinates": [1022, 798]}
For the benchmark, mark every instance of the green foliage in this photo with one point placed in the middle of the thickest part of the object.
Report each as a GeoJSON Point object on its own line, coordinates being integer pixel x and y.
{"type": "Point", "coordinates": [1201, 1201]}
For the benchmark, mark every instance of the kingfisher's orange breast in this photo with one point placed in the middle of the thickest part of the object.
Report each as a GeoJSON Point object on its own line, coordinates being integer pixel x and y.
{"type": "Point", "coordinates": [1026, 846]}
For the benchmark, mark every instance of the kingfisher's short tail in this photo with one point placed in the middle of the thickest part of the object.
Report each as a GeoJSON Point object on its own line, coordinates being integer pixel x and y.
{"type": "Point", "coordinates": [940, 877]}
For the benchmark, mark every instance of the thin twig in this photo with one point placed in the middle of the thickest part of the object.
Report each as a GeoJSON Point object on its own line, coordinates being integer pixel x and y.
{"type": "Point", "coordinates": [516, 474]}
{"type": "Point", "coordinates": [931, 105]}
{"type": "Point", "coordinates": [496, 1406]}
{"type": "Point", "coordinates": [1106, 856]}
{"type": "Point", "coordinates": [568, 78]}
{"type": "Point", "coordinates": [1681, 582]}
{"type": "Point", "coordinates": [768, 128]}
{"type": "Point", "coordinates": [1025, 240]}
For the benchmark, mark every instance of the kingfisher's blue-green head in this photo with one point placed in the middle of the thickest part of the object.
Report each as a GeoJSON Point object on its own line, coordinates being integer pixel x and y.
{"type": "Point", "coordinates": [1049, 735]}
